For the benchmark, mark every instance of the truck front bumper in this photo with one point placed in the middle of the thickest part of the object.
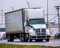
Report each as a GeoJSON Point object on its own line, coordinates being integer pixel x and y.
{"type": "Point", "coordinates": [40, 37]}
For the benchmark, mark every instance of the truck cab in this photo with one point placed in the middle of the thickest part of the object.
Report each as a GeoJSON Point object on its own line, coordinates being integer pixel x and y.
{"type": "Point", "coordinates": [36, 26]}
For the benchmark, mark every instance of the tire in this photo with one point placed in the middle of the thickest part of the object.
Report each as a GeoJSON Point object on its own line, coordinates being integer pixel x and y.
{"type": "Point", "coordinates": [39, 40]}
{"type": "Point", "coordinates": [30, 40]}
{"type": "Point", "coordinates": [26, 40]}
{"type": "Point", "coordinates": [22, 40]}
{"type": "Point", "coordinates": [10, 38]}
{"type": "Point", "coordinates": [47, 40]}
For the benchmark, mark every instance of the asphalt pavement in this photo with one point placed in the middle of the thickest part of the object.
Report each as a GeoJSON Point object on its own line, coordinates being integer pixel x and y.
{"type": "Point", "coordinates": [16, 41]}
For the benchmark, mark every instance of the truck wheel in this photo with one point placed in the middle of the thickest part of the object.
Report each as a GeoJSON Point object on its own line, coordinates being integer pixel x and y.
{"type": "Point", "coordinates": [10, 38]}
{"type": "Point", "coordinates": [26, 40]}
{"type": "Point", "coordinates": [39, 40]}
{"type": "Point", "coordinates": [30, 40]}
{"type": "Point", "coordinates": [22, 39]}
{"type": "Point", "coordinates": [47, 40]}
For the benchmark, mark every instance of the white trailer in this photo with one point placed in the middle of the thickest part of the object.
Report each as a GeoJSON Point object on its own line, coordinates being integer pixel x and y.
{"type": "Point", "coordinates": [26, 24]}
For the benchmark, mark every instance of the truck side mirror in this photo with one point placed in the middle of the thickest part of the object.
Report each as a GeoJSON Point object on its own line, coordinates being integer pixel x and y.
{"type": "Point", "coordinates": [27, 23]}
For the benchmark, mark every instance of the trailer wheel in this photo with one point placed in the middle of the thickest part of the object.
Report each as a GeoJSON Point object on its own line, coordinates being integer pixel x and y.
{"type": "Point", "coordinates": [39, 40]}
{"type": "Point", "coordinates": [10, 38]}
{"type": "Point", "coordinates": [30, 40]}
{"type": "Point", "coordinates": [47, 40]}
{"type": "Point", "coordinates": [26, 40]}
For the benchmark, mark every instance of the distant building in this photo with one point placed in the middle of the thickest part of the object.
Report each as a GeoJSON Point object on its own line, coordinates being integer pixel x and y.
{"type": "Point", "coordinates": [53, 25]}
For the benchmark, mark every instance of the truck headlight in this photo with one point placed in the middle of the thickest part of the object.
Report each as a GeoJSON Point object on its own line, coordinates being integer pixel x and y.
{"type": "Point", "coordinates": [31, 32]}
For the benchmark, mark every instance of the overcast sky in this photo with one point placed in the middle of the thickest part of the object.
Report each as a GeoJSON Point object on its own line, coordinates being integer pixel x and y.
{"type": "Point", "coordinates": [6, 5]}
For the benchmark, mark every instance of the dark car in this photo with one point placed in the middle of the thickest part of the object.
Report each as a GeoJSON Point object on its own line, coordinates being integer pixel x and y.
{"type": "Point", "coordinates": [57, 36]}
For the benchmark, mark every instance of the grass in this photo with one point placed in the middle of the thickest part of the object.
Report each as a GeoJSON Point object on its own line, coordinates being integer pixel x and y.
{"type": "Point", "coordinates": [52, 38]}
{"type": "Point", "coordinates": [24, 46]}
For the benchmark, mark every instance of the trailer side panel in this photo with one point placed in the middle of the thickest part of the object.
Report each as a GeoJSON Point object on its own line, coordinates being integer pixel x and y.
{"type": "Point", "coordinates": [13, 22]}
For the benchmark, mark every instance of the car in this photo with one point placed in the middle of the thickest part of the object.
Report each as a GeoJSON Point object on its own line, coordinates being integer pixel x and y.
{"type": "Point", "coordinates": [57, 36]}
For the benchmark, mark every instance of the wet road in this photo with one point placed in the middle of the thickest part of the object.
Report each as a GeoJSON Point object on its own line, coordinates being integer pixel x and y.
{"type": "Point", "coordinates": [50, 43]}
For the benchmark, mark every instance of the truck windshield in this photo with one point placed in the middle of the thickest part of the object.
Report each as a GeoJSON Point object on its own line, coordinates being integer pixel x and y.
{"type": "Point", "coordinates": [37, 21]}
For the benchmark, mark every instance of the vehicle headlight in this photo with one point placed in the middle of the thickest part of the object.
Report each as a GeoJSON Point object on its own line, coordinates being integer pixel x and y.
{"type": "Point", "coordinates": [31, 32]}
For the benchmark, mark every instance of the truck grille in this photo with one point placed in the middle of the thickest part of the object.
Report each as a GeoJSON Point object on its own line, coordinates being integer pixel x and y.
{"type": "Point", "coordinates": [40, 31]}
{"type": "Point", "coordinates": [37, 31]}
{"type": "Point", "coordinates": [43, 31]}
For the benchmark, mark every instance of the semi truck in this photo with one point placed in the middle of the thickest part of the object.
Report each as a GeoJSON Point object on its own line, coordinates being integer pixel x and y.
{"type": "Point", "coordinates": [26, 25]}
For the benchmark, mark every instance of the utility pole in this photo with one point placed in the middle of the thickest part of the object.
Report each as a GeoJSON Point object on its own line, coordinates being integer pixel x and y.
{"type": "Point", "coordinates": [28, 4]}
{"type": "Point", "coordinates": [47, 14]}
{"type": "Point", "coordinates": [58, 7]}
{"type": "Point", "coordinates": [2, 15]}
